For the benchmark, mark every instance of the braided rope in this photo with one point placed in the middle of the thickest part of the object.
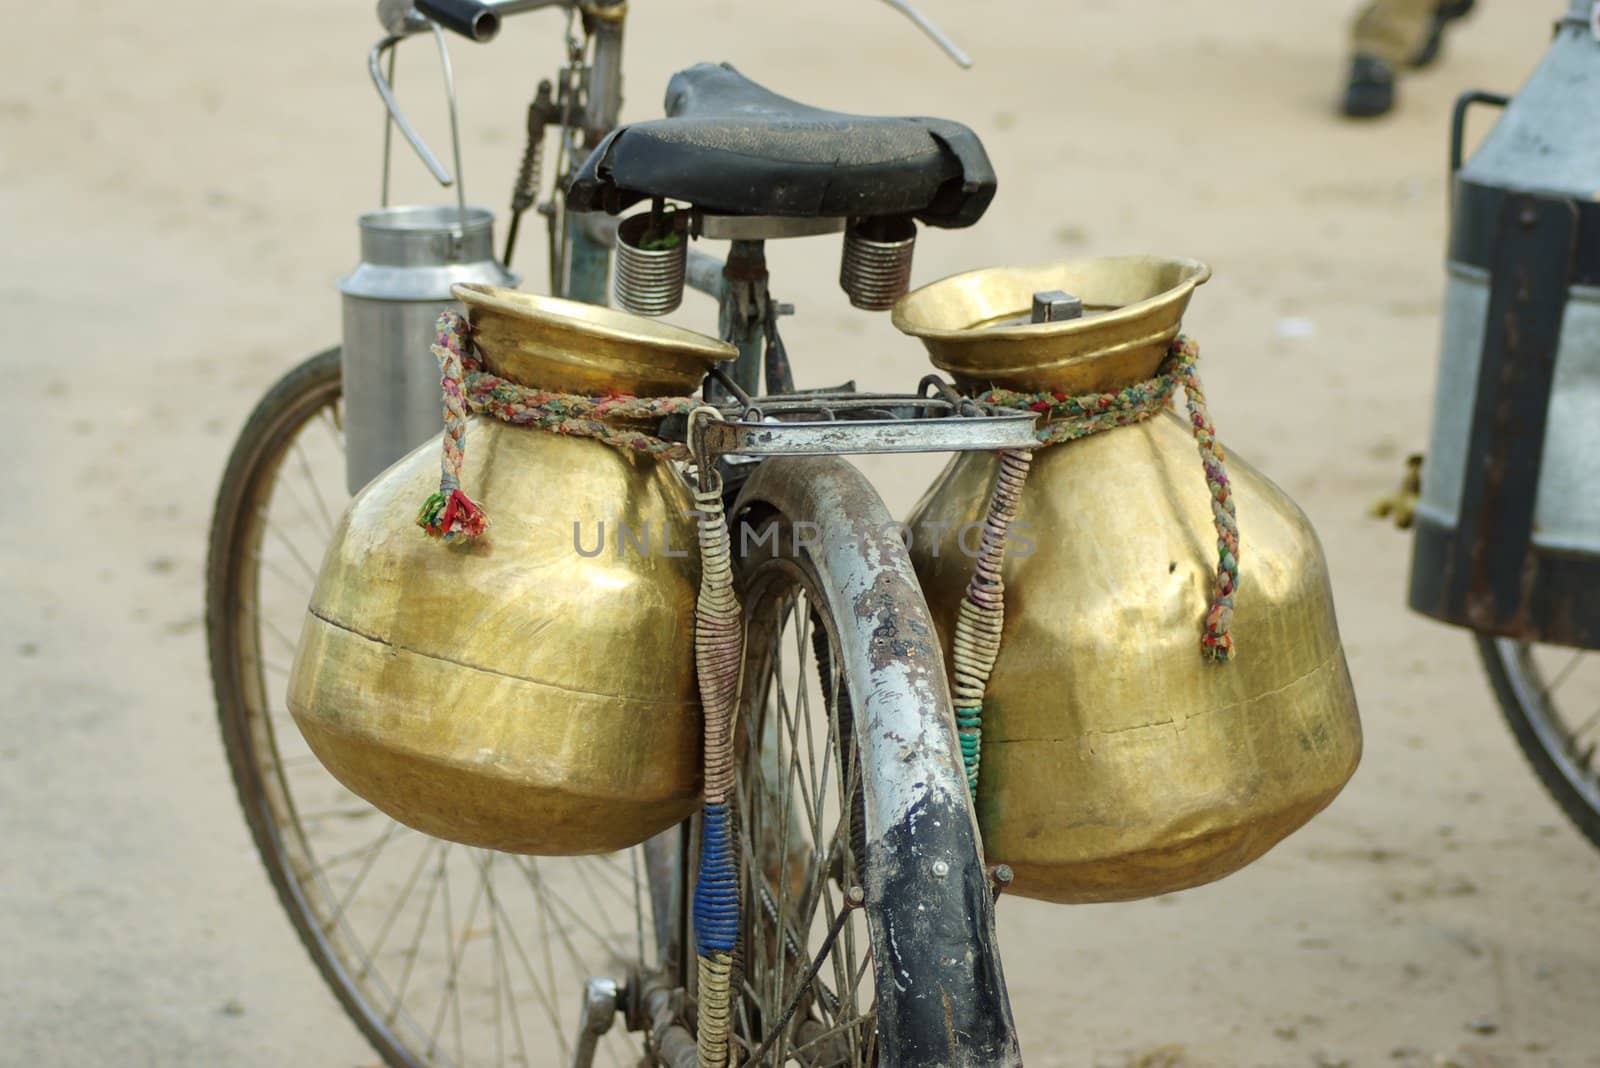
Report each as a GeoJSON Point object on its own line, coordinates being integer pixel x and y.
{"type": "Point", "coordinates": [719, 655]}
{"type": "Point", "coordinates": [450, 513]}
{"type": "Point", "coordinates": [713, 1016]}
{"type": "Point", "coordinates": [981, 617]}
{"type": "Point", "coordinates": [982, 614]}
{"type": "Point", "coordinates": [469, 389]}
{"type": "Point", "coordinates": [1068, 418]}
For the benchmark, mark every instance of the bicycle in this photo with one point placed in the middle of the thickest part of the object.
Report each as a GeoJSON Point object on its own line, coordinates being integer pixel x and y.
{"type": "Point", "coordinates": [396, 921]}
{"type": "Point", "coordinates": [861, 923]}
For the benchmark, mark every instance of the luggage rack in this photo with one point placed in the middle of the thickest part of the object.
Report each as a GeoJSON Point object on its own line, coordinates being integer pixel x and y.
{"type": "Point", "coordinates": [834, 422]}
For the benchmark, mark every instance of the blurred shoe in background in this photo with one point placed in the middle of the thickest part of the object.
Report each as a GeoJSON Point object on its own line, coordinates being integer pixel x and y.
{"type": "Point", "coordinates": [1390, 36]}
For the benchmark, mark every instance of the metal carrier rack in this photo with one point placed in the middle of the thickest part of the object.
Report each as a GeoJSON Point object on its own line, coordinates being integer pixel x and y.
{"type": "Point", "coordinates": [841, 421]}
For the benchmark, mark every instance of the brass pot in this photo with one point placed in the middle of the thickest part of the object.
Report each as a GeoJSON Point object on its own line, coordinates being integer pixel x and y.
{"type": "Point", "coordinates": [1117, 763]}
{"type": "Point", "coordinates": [516, 692]}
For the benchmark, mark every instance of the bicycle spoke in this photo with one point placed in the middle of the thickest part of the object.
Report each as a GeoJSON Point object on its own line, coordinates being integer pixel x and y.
{"type": "Point", "coordinates": [394, 912]}
{"type": "Point", "coordinates": [333, 420]}
{"type": "Point", "coordinates": [283, 639]}
{"type": "Point", "coordinates": [549, 961]}
{"type": "Point", "coordinates": [449, 938]}
{"type": "Point", "coordinates": [795, 817]}
{"type": "Point", "coordinates": [311, 483]}
{"type": "Point", "coordinates": [416, 940]}
{"type": "Point", "coordinates": [294, 551]}
{"type": "Point", "coordinates": [785, 823]}
{"type": "Point", "coordinates": [546, 997]}
{"type": "Point", "coordinates": [1584, 728]}
{"type": "Point", "coordinates": [846, 1028]}
{"type": "Point", "coordinates": [503, 980]}
{"type": "Point", "coordinates": [364, 851]}
{"type": "Point", "coordinates": [603, 879]}
{"type": "Point", "coordinates": [571, 913]}
{"type": "Point", "coordinates": [494, 948]}
{"type": "Point", "coordinates": [1562, 676]}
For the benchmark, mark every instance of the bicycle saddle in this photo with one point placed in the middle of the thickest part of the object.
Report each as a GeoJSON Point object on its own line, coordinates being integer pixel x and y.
{"type": "Point", "coordinates": [729, 145]}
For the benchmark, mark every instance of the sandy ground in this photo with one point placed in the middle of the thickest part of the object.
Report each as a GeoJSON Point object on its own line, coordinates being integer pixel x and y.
{"type": "Point", "coordinates": [177, 193]}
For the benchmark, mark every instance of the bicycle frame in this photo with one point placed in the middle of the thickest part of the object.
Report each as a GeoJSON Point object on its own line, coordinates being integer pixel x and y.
{"type": "Point", "coordinates": [941, 994]}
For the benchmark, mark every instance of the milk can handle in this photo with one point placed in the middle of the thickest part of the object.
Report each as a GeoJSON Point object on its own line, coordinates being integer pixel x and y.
{"type": "Point", "coordinates": [386, 91]}
{"type": "Point", "coordinates": [934, 33]}
{"type": "Point", "coordinates": [1458, 122]}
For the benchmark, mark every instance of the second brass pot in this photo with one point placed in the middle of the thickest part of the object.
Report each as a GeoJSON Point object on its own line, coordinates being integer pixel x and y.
{"type": "Point", "coordinates": [1117, 762]}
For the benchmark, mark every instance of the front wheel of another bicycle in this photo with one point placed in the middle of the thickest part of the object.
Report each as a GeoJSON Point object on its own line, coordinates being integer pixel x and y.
{"type": "Point", "coordinates": [1550, 696]}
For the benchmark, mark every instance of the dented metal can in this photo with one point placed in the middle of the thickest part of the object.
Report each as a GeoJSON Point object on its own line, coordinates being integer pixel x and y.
{"type": "Point", "coordinates": [1507, 527]}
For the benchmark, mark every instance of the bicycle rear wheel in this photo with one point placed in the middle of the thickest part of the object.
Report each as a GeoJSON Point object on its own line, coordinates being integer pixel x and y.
{"type": "Point", "coordinates": [441, 954]}
{"type": "Point", "coordinates": [849, 780]}
{"type": "Point", "coordinates": [1550, 696]}
{"type": "Point", "coordinates": [799, 804]}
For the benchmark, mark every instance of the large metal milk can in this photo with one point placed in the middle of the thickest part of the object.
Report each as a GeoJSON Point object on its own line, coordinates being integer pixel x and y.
{"type": "Point", "coordinates": [410, 257]}
{"type": "Point", "coordinates": [1508, 525]}
{"type": "Point", "coordinates": [1117, 762]}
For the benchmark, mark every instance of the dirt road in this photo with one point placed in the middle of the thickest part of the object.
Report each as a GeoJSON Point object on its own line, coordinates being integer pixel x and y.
{"type": "Point", "coordinates": [177, 191]}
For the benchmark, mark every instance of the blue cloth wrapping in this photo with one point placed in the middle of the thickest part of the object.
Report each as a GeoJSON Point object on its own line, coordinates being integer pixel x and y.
{"type": "Point", "coordinates": [716, 892]}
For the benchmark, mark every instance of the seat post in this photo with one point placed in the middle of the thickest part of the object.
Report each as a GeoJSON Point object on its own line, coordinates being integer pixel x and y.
{"type": "Point", "coordinates": [743, 312]}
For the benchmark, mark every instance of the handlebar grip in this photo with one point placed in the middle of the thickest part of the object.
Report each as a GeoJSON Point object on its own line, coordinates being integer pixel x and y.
{"type": "Point", "coordinates": [473, 20]}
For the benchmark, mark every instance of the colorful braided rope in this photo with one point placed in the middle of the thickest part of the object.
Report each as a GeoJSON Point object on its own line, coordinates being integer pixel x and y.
{"type": "Point", "coordinates": [718, 655]}
{"type": "Point", "coordinates": [981, 617]}
{"type": "Point", "coordinates": [1068, 418]}
{"type": "Point", "coordinates": [469, 389]}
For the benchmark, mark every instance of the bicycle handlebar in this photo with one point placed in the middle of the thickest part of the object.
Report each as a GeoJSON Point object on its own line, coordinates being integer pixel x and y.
{"type": "Point", "coordinates": [471, 19]}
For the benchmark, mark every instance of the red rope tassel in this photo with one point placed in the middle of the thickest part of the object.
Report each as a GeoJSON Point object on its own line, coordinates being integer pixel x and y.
{"type": "Point", "coordinates": [449, 513]}
{"type": "Point", "coordinates": [453, 516]}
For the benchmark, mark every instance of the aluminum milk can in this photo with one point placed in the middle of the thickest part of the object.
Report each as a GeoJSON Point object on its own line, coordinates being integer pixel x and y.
{"type": "Point", "coordinates": [410, 257]}
{"type": "Point", "coordinates": [1117, 763]}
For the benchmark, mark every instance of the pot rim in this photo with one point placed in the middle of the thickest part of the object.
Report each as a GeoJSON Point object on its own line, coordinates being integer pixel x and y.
{"type": "Point", "coordinates": [593, 320]}
{"type": "Point", "coordinates": [1195, 273]}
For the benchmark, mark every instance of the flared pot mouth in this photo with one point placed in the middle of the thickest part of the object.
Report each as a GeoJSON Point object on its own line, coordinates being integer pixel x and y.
{"type": "Point", "coordinates": [976, 326]}
{"type": "Point", "coordinates": [571, 347]}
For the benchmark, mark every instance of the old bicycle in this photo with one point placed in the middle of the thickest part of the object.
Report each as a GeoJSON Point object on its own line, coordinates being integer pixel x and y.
{"type": "Point", "coordinates": [859, 929]}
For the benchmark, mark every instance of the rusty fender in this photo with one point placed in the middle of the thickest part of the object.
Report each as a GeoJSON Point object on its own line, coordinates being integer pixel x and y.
{"type": "Point", "coordinates": [941, 994]}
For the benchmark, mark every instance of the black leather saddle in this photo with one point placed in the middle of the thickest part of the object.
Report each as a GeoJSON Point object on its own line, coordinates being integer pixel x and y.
{"type": "Point", "coordinates": [730, 146]}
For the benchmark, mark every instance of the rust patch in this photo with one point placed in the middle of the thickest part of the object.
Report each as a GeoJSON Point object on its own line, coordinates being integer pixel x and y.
{"type": "Point", "coordinates": [898, 636]}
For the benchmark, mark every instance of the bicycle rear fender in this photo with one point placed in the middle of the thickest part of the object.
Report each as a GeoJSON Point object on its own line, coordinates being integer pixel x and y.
{"type": "Point", "coordinates": [941, 994]}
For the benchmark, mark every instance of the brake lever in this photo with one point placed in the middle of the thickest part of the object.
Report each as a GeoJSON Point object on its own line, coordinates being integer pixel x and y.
{"type": "Point", "coordinates": [934, 33]}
